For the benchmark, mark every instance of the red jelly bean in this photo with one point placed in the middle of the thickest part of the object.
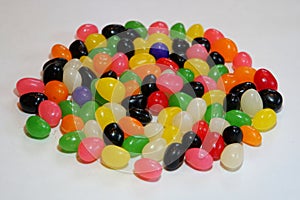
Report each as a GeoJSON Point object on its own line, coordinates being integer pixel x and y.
{"type": "Point", "coordinates": [166, 63]}
{"type": "Point", "coordinates": [198, 159]}
{"type": "Point", "coordinates": [85, 30]}
{"type": "Point", "coordinates": [90, 149]}
{"type": "Point", "coordinates": [214, 144]}
{"type": "Point", "coordinates": [147, 169]}
{"type": "Point", "coordinates": [197, 51]}
{"type": "Point", "coordinates": [158, 27]}
{"type": "Point", "coordinates": [119, 63]}
{"type": "Point", "coordinates": [264, 79]}
{"type": "Point", "coordinates": [213, 35]}
{"type": "Point", "coordinates": [26, 85]}
{"type": "Point", "coordinates": [157, 101]}
{"type": "Point", "coordinates": [169, 83]}
{"type": "Point", "coordinates": [50, 112]}
{"type": "Point", "coordinates": [241, 59]}
{"type": "Point", "coordinates": [201, 128]}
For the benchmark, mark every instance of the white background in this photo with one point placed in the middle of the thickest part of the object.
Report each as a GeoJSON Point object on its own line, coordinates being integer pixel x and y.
{"type": "Point", "coordinates": [30, 169]}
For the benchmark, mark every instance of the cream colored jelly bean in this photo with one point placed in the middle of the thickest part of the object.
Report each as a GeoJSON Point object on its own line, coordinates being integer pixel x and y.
{"type": "Point", "coordinates": [117, 109]}
{"type": "Point", "coordinates": [251, 102]}
{"type": "Point", "coordinates": [184, 121]}
{"type": "Point", "coordinates": [197, 108]}
{"type": "Point", "coordinates": [92, 129]}
{"type": "Point", "coordinates": [153, 129]}
{"type": "Point", "coordinates": [72, 79]}
{"type": "Point", "coordinates": [155, 149]}
{"type": "Point", "coordinates": [232, 156]}
{"type": "Point", "coordinates": [218, 125]}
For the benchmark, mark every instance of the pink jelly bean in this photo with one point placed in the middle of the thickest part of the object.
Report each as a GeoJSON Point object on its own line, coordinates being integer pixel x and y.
{"type": "Point", "coordinates": [213, 35]}
{"type": "Point", "coordinates": [90, 149]}
{"type": "Point", "coordinates": [169, 83]}
{"type": "Point", "coordinates": [50, 112]}
{"type": "Point", "coordinates": [198, 159]}
{"type": "Point", "coordinates": [208, 83]}
{"type": "Point", "coordinates": [147, 169]}
{"type": "Point", "coordinates": [119, 63]}
{"type": "Point", "coordinates": [158, 27]}
{"type": "Point", "coordinates": [197, 51]}
{"type": "Point", "coordinates": [85, 30]}
{"type": "Point", "coordinates": [166, 63]}
{"type": "Point", "coordinates": [241, 59]}
{"type": "Point", "coordinates": [26, 85]}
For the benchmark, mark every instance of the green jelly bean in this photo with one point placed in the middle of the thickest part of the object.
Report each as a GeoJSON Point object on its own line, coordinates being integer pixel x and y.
{"type": "Point", "coordinates": [217, 71]}
{"type": "Point", "coordinates": [96, 96]}
{"type": "Point", "coordinates": [186, 74]}
{"type": "Point", "coordinates": [214, 110]}
{"type": "Point", "coordinates": [69, 142]}
{"type": "Point", "coordinates": [112, 43]}
{"type": "Point", "coordinates": [87, 111]}
{"type": "Point", "coordinates": [138, 27]}
{"type": "Point", "coordinates": [135, 144]}
{"type": "Point", "coordinates": [180, 99]}
{"type": "Point", "coordinates": [100, 50]}
{"type": "Point", "coordinates": [238, 118]}
{"type": "Point", "coordinates": [178, 31]}
{"type": "Point", "coordinates": [37, 128]}
{"type": "Point", "coordinates": [69, 107]}
{"type": "Point", "coordinates": [130, 75]}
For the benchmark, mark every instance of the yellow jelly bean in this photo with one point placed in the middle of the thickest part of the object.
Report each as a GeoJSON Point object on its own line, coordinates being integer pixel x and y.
{"type": "Point", "coordinates": [111, 89]}
{"type": "Point", "coordinates": [140, 46]}
{"type": "Point", "coordinates": [117, 109]}
{"type": "Point", "coordinates": [159, 37]}
{"type": "Point", "coordinates": [104, 116]}
{"type": "Point", "coordinates": [264, 119]}
{"type": "Point", "coordinates": [196, 30]}
{"type": "Point", "coordinates": [87, 62]}
{"type": "Point", "coordinates": [214, 96]}
{"type": "Point", "coordinates": [184, 121]}
{"type": "Point", "coordinates": [95, 40]}
{"type": "Point", "coordinates": [197, 66]}
{"type": "Point", "coordinates": [171, 134]}
{"type": "Point", "coordinates": [114, 157]}
{"type": "Point", "coordinates": [166, 115]}
{"type": "Point", "coordinates": [141, 59]}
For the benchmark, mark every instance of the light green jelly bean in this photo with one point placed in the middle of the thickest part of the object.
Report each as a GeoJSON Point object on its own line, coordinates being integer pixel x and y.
{"type": "Point", "coordinates": [180, 99]}
{"type": "Point", "coordinates": [95, 51]}
{"type": "Point", "coordinates": [213, 111]}
{"type": "Point", "coordinates": [87, 111]}
{"type": "Point", "coordinates": [130, 75]}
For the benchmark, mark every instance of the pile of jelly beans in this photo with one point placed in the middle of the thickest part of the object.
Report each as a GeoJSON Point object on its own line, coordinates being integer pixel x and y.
{"type": "Point", "coordinates": [158, 97]}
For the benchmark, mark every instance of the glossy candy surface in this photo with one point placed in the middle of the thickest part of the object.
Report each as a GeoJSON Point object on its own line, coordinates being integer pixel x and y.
{"type": "Point", "coordinates": [251, 136]}
{"type": "Point", "coordinates": [238, 118]}
{"type": "Point", "coordinates": [56, 91]}
{"type": "Point", "coordinates": [113, 134]}
{"type": "Point", "coordinates": [71, 123]}
{"type": "Point", "coordinates": [251, 102]}
{"type": "Point", "coordinates": [264, 119]}
{"type": "Point", "coordinates": [226, 47]}
{"type": "Point", "coordinates": [174, 156]}
{"type": "Point", "coordinates": [214, 144]}
{"type": "Point", "coordinates": [60, 51]}
{"type": "Point", "coordinates": [135, 144]}
{"type": "Point", "coordinates": [147, 169]}
{"type": "Point", "coordinates": [155, 149]}
{"type": "Point", "coordinates": [29, 102]}
{"type": "Point", "coordinates": [90, 149]}
{"type": "Point", "coordinates": [26, 85]}
{"type": "Point", "coordinates": [85, 30]}
{"type": "Point", "coordinates": [264, 79]}
{"type": "Point", "coordinates": [81, 95]}
{"type": "Point", "coordinates": [198, 159]}
{"type": "Point", "coordinates": [50, 112]}
{"type": "Point", "coordinates": [69, 142]}
{"type": "Point", "coordinates": [157, 101]}
{"type": "Point", "coordinates": [271, 99]}
{"type": "Point", "coordinates": [232, 157]}
{"type": "Point", "coordinates": [78, 49]}
{"type": "Point", "coordinates": [241, 59]}
{"type": "Point", "coordinates": [69, 107]}
{"type": "Point", "coordinates": [114, 157]}
{"type": "Point", "coordinates": [37, 128]}
{"type": "Point", "coordinates": [232, 134]}
{"type": "Point", "coordinates": [191, 140]}
{"type": "Point", "coordinates": [169, 83]}
{"type": "Point", "coordinates": [180, 99]}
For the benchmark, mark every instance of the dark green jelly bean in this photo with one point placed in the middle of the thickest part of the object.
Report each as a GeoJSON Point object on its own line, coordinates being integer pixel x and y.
{"type": "Point", "coordinates": [99, 99]}
{"type": "Point", "coordinates": [37, 128]}
{"type": "Point", "coordinates": [126, 46]}
{"type": "Point", "coordinates": [112, 29]}
{"type": "Point", "coordinates": [87, 111]}
{"type": "Point", "coordinates": [238, 118]}
{"type": "Point", "coordinates": [87, 76]}
{"type": "Point", "coordinates": [180, 46]}
{"type": "Point", "coordinates": [53, 72]}
{"type": "Point", "coordinates": [69, 142]}
{"type": "Point", "coordinates": [109, 74]}
{"type": "Point", "coordinates": [113, 134]}
{"type": "Point", "coordinates": [95, 51]}
{"type": "Point", "coordinates": [215, 58]}
{"type": "Point", "coordinates": [186, 74]}
{"type": "Point", "coordinates": [78, 49]}
{"type": "Point", "coordinates": [178, 31]}
{"type": "Point", "coordinates": [231, 102]}
{"type": "Point", "coordinates": [174, 156]}
{"type": "Point", "coordinates": [271, 99]}
{"type": "Point", "coordinates": [68, 107]}
{"type": "Point", "coordinates": [141, 115]}
{"type": "Point", "coordinates": [135, 101]}
{"type": "Point", "coordinates": [241, 88]}
{"type": "Point", "coordinates": [93, 87]}
{"type": "Point", "coordinates": [203, 41]}
{"type": "Point", "coordinates": [179, 59]}
{"type": "Point", "coordinates": [214, 110]}
{"type": "Point", "coordinates": [129, 34]}
{"type": "Point", "coordinates": [112, 43]}
{"type": "Point", "coordinates": [217, 71]}
{"type": "Point", "coordinates": [191, 140]}
{"type": "Point", "coordinates": [232, 134]}
{"type": "Point", "coordinates": [148, 85]}
{"type": "Point", "coordinates": [30, 102]}
{"type": "Point", "coordinates": [180, 99]}
{"type": "Point", "coordinates": [138, 27]}
{"type": "Point", "coordinates": [128, 76]}
{"type": "Point", "coordinates": [60, 62]}
{"type": "Point", "coordinates": [135, 144]}
{"type": "Point", "coordinates": [194, 89]}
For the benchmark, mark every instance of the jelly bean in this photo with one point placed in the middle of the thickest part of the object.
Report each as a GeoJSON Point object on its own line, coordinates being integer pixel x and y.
{"type": "Point", "coordinates": [194, 31]}
{"type": "Point", "coordinates": [56, 91]}
{"type": "Point", "coordinates": [138, 27]}
{"type": "Point", "coordinates": [169, 83]}
{"type": "Point", "coordinates": [203, 41]}
{"type": "Point", "coordinates": [87, 76]}
{"type": "Point", "coordinates": [92, 129]}
{"type": "Point", "coordinates": [132, 88]}
{"type": "Point", "coordinates": [99, 99]}
{"type": "Point", "coordinates": [159, 37]}
{"type": "Point", "coordinates": [130, 75]}
{"type": "Point", "coordinates": [112, 29]}
{"type": "Point", "coordinates": [85, 30]}
{"type": "Point", "coordinates": [95, 40]}
{"type": "Point", "coordinates": [71, 123]}
{"type": "Point", "coordinates": [241, 59]}
{"type": "Point", "coordinates": [244, 74]}
{"type": "Point", "coordinates": [197, 66]}
{"type": "Point", "coordinates": [112, 43]}
{"type": "Point", "coordinates": [201, 128]}
{"type": "Point", "coordinates": [126, 46]}
{"type": "Point", "coordinates": [129, 34]}
{"type": "Point", "coordinates": [180, 46]}
{"type": "Point", "coordinates": [184, 121]}
{"type": "Point", "coordinates": [207, 82]}
{"type": "Point", "coordinates": [53, 72]}
{"type": "Point", "coordinates": [148, 85]}
{"type": "Point", "coordinates": [232, 157]}
{"type": "Point", "coordinates": [104, 50]}
{"type": "Point", "coordinates": [37, 128]}
{"type": "Point", "coordinates": [193, 88]}
{"type": "Point", "coordinates": [186, 74]}
{"type": "Point", "coordinates": [168, 71]}
{"type": "Point", "coordinates": [87, 111]}
{"type": "Point", "coordinates": [218, 125]}
{"type": "Point", "coordinates": [251, 102]}
{"type": "Point", "coordinates": [73, 63]}
{"type": "Point", "coordinates": [158, 27]}
{"type": "Point", "coordinates": [140, 46]}
{"type": "Point", "coordinates": [78, 49]}
{"type": "Point", "coordinates": [135, 101]}
{"type": "Point", "coordinates": [131, 126]}
{"type": "Point", "coordinates": [155, 149]}
{"type": "Point", "coordinates": [177, 31]}
{"type": "Point", "coordinates": [178, 59]}
{"type": "Point", "coordinates": [69, 142]}
{"type": "Point", "coordinates": [145, 70]}
{"type": "Point", "coordinates": [72, 79]}
{"type": "Point", "coordinates": [111, 89]}
{"type": "Point", "coordinates": [237, 118]}
{"type": "Point", "coordinates": [58, 62]}
{"type": "Point", "coordinates": [180, 100]}
{"type": "Point", "coordinates": [104, 116]}
{"type": "Point", "coordinates": [171, 134]}
{"type": "Point", "coordinates": [81, 95]}
{"type": "Point", "coordinates": [232, 134]}
{"type": "Point", "coordinates": [119, 63]}
{"type": "Point", "coordinates": [264, 79]}
{"type": "Point", "coordinates": [114, 157]}
{"type": "Point", "coordinates": [113, 134]}
{"type": "Point", "coordinates": [117, 109]}
{"type": "Point", "coordinates": [251, 136]}
{"type": "Point", "coordinates": [109, 73]}
{"type": "Point", "coordinates": [198, 159]}
{"type": "Point", "coordinates": [26, 85]}
{"type": "Point", "coordinates": [197, 51]}
{"type": "Point", "coordinates": [141, 114]}
{"type": "Point", "coordinates": [87, 62]}
{"type": "Point", "coordinates": [217, 71]}
{"type": "Point", "coordinates": [231, 102]}
{"type": "Point", "coordinates": [90, 149]}
{"type": "Point", "coordinates": [241, 88]}
{"type": "Point", "coordinates": [215, 58]}
{"type": "Point", "coordinates": [173, 157]}
{"type": "Point", "coordinates": [147, 169]}
{"type": "Point", "coordinates": [271, 99]}
{"type": "Point", "coordinates": [197, 108]}
{"type": "Point", "coordinates": [214, 110]}
{"type": "Point", "coordinates": [157, 101]}
{"type": "Point", "coordinates": [226, 47]}
{"type": "Point", "coordinates": [102, 63]}
{"type": "Point", "coordinates": [264, 119]}
{"type": "Point", "coordinates": [159, 50]}
{"type": "Point", "coordinates": [29, 102]}
{"type": "Point", "coordinates": [135, 144]}
{"type": "Point", "coordinates": [50, 112]}
{"type": "Point", "coordinates": [166, 115]}
{"type": "Point", "coordinates": [191, 140]}
{"type": "Point", "coordinates": [60, 51]}
{"type": "Point", "coordinates": [69, 107]}
{"type": "Point", "coordinates": [153, 129]}
{"type": "Point", "coordinates": [214, 96]}
{"type": "Point", "coordinates": [213, 35]}
{"type": "Point", "coordinates": [141, 59]}
{"type": "Point", "coordinates": [214, 144]}
{"type": "Point", "coordinates": [226, 82]}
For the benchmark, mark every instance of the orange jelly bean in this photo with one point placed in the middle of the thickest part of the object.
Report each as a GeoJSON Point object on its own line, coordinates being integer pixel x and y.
{"type": "Point", "coordinates": [244, 74]}
{"type": "Point", "coordinates": [131, 126]}
{"type": "Point", "coordinates": [56, 91]}
{"type": "Point", "coordinates": [251, 135]}
{"type": "Point", "coordinates": [226, 82]}
{"type": "Point", "coordinates": [102, 62]}
{"type": "Point", "coordinates": [132, 87]}
{"type": "Point", "coordinates": [71, 123]}
{"type": "Point", "coordinates": [145, 70]}
{"type": "Point", "coordinates": [60, 51]}
{"type": "Point", "coordinates": [226, 47]}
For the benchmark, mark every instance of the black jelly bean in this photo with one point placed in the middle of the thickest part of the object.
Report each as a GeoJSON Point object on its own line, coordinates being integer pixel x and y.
{"type": "Point", "coordinates": [130, 34]}
{"type": "Point", "coordinates": [241, 88]}
{"type": "Point", "coordinates": [113, 134]}
{"type": "Point", "coordinates": [87, 76]}
{"type": "Point", "coordinates": [232, 134]}
{"type": "Point", "coordinates": [203, 41]}
{"type": "Point", "coordinates": [112, 29]}
{"type": "Point", "coordinates": [215, 58]}
{"type": "Point", "coordinates": [126, 46]}
{"type": "Point", "coordinates": [179, 59]}
{"type": "Point", "coordinates": [135, 101]}
{"type": "Point", "coordinates": [191, 140]}
{"type": "Point", "coordinates": [271, 99]}
{"type": "Point", "coordinates": [231, 102]}
{"type": "Point", "coordinates": [141, 115]}
{"type": "Point", "coordinates": [53, 72]}
{"type": "Point", "coordinates": [60, 62]}
{"type": "Point", "coordinates": [110, 74]}
{"type": "Point", "coordinates": [30, 102]}
{"type": "Point", "coordinates": [180, 46]}
{"type": "Point", "coordinates": [78, 49]}
{"type": "Point", "coordinates": [149, 85]}
{"type": "Point", "coordinates": [174, 156]}
{"type": "Point", "coordinates": [194, 89]}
